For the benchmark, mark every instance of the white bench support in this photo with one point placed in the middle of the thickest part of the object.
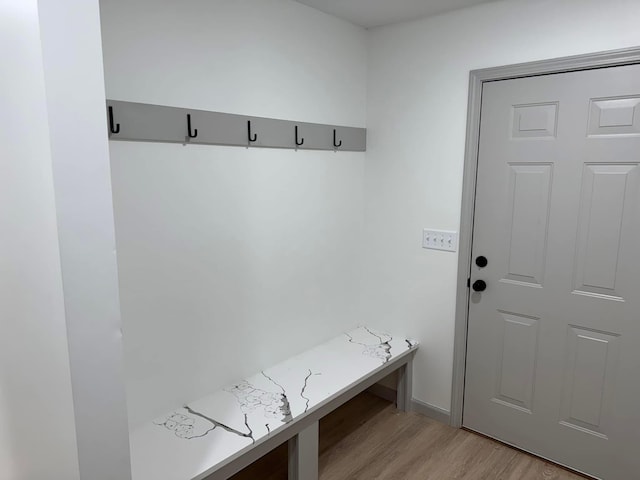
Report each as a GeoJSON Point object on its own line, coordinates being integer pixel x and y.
{"type": "Point", "coordinates": [404, 387]}
{"type": "Point", "coordinates": [303, 454]}
{"type": "Point", "coordinates": [303, 448]}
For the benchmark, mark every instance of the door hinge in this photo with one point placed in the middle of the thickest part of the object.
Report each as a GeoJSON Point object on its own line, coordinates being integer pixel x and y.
{"type": "Point", "coordinates": [468, 282]}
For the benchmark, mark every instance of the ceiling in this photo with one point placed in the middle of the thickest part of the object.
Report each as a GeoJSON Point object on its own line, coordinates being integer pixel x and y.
{"type": "Point", "coordinates": [373, 13]}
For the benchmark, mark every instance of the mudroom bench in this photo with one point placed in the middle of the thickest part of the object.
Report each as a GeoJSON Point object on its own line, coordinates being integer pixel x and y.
{"type": "Point", "coordinates": [217, 436]}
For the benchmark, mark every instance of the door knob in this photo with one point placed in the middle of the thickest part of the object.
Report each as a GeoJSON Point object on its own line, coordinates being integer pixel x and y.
{"type": "Point", "coordinates": [479, 286]}
{"type": "Point", "coordinates": [481, 261]}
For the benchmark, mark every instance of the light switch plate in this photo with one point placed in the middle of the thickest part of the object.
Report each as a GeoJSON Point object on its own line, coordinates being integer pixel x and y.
{"type": "Point", "coordinates": [440, 240]}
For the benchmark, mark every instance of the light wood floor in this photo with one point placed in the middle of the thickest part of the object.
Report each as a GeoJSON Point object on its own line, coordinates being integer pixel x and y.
{"type": "Point", "coordinates": [367, 439]}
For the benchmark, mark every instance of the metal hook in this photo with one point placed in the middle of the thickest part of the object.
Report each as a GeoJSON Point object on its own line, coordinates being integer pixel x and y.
{"type": "Point", "coordinates": [255, 135]}
{"type": "Point", "coordinates": [301, 141]}
{"type": "Point", "coordinates": [336, 145]}
{"type": "Point", "coordinates": [112, 128]}
{"type": "Point", "coordinates": [194, 133]}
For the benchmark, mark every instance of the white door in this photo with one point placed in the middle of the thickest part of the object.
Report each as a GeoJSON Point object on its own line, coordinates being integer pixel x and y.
{"type": "Point", "coordinates": [553, 355]}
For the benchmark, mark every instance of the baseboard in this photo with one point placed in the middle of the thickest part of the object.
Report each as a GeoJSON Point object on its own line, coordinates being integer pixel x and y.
{"type": "Point", "coordinates": [431, 411]}
{"type": "Point", "coordinates": [385, 393]}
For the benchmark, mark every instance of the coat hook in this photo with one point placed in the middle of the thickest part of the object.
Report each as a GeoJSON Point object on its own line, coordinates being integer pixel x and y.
{"type": "Point", "coordinates": [113, 128]}
{"type": "Point", "coordinates": [336, 145]}
{"type": "Point", "coordinates": [255, 135]}
{"type": "Point", "coordinates": [194, 133]}
{"type": "Point", "coordinates": [301, 141]}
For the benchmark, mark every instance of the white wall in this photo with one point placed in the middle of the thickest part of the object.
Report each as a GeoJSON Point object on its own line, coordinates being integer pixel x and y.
{"type": "Point", "coordinates": [230, 258]}
{"type": "Point", "coordinates": [37, 427]}
{"type": "Point", "coordinates": [417, 101]}
{"type": "Point", "coordinates": [74, 84]}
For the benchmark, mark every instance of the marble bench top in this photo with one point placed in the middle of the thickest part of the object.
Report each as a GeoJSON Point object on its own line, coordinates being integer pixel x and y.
{"type": "Point", "coordinates": [192, 442]}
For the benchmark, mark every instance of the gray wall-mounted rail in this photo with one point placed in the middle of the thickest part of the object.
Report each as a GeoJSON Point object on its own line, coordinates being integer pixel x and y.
{"type": "Point", "coordinates": [156, 123]}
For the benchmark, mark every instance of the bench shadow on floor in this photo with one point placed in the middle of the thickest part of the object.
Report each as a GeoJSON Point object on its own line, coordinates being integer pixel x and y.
{"type": "Point", "coordinates": [367, 438]}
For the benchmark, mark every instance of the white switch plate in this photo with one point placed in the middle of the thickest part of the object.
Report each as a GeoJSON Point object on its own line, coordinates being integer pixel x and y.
{"type": "Point", "coordinates": [440, 240]}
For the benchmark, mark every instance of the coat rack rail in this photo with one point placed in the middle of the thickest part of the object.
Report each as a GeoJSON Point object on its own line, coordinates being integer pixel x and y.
{"type": "Point", "coordinates": [144, 122]}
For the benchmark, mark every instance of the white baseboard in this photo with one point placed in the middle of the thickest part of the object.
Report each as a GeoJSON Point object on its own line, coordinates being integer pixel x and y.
{"type": "Point", "coordinates": [431, 411]}
{"type": "Point", "coordinates": [389, 394]}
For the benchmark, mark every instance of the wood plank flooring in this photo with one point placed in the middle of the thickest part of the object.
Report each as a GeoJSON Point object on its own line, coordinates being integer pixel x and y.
{"type": "Point", "coordinates": [367, 439]}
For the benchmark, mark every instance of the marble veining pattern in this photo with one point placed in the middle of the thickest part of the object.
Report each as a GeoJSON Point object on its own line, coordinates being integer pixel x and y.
{"type": "Point", "coordinates": [191, 441]}
{"type": "Point", "coordinates": [273, 405]}
{"type": "Point", "coordinates": [377, 346]}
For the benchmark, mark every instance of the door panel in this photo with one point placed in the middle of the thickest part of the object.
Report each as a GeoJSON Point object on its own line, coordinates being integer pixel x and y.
{"type": "Point", "coordinates": [517, 361]}
{"type": "Point", "coordinates": [615, 116]}
{"type": "Point", "coordinates": [592, 358]}
{"type": "Point", "coordinates": [535, 121]}
{"type": "Point", "coordinates": [553, 354]}
{"type": "Point", "coordinates": [602, 211]}
{"type": "Point", "coordinates": [530, 187]}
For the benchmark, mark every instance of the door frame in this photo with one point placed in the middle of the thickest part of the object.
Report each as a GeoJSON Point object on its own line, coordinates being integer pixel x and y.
{"type": "Point", "coordinates": [477, 78]}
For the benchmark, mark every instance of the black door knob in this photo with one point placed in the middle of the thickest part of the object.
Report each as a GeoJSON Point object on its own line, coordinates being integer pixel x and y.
{"type": "Point", "coordinates": [481, 261]}
{"type": "Point", "coordinates": [479, 286]}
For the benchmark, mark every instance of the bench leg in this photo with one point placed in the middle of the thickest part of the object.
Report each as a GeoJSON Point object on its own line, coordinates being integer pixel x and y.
{"type": "Point", "coordinates": [405, 387]}
{"type": "Point", "coordinates": [303, 454]}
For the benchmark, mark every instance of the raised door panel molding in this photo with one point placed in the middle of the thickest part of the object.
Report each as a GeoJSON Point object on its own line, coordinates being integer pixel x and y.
{"type": "Point", "coordinates": [589, 380]}
{"type": "Point", "coordinates": [517, 361]}
{"type": "Point", "coordinates": [603, 214]}
{"type": "Point", "coordinates": [535, 120]}
{"type": "Point", "coordinates": [614, 116]}
{"type": "Point", "coordinates": [529, 195]}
